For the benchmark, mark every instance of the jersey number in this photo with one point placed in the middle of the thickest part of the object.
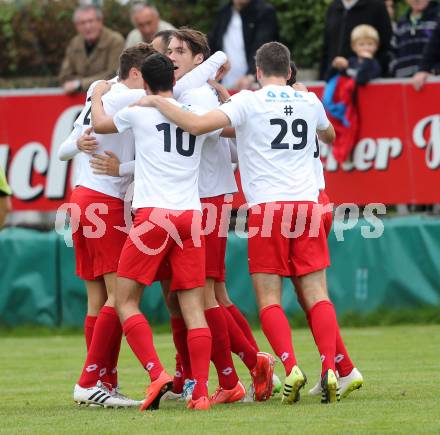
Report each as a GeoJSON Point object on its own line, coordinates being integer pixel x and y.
{"type": "Point", "coordinates": [299, 130]}
{"type": "Point", "coordinates": [166, 128]}
{"type": "Point", "coordinates": [86, 120]}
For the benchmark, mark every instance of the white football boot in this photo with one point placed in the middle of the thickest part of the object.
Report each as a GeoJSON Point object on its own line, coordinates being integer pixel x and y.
{"type": "Point", "coordinates": [98, 395]}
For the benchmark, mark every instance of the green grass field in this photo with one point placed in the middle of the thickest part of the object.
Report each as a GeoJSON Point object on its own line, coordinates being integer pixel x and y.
{"type": "Point", "coordinates": [401, 393]}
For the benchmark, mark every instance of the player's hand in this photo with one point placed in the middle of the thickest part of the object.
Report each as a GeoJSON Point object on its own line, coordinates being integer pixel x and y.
{"type": "Point", "coordinates": [298, 86]}
{"type": "Point", "coordinates": [87, 143]}
{"type": "Point", "coordinates": [101, 88]}
{"type": "Point", "coordinates": [245, 82]}
{"type": "Point", "coordinates": [147, 101]}
{"type": "Point", "coordinates": [223, 70]}
{"type": "Point", "coordinates": [223, 94]}
{"type": "Point", "coordinates": [419, 79]}
{"type": "Point", "coordinates": [340, 62]}
{"type": "Point", "coordinates": [105, 165]}
{"type": "Point", "coordinates": [71, 86]}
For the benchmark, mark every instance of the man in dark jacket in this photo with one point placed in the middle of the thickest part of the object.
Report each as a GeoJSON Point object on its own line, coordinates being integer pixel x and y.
{"type": "Point", "coordinates": [430, 63]}
{"type": "Point", "coordinates": [240, 28]}
{"type": "Point", "coordinates": [342, 17]}
{"type": "Point", "coordinates": [412, 33]}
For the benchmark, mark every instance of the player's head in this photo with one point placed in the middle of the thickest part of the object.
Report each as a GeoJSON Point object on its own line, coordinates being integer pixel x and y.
{"type": "Point", "coordinates": [131, 61]}
{"type": "Point", "coordinates": [364, 40]}
{"type": "Point", "coordinates": [88, 22]}
{"type": "Point", "coordinates": [161, 41]}
{"type": "Point", "coordinates": [187, 49]}
{"type": "Point", "coordinates": [145, 18]}
{"type": "Point", "coordinates": [158, 74]}
{"type": "Point", "coordinates": [293, 72]}
{"type": "Point", "coordinates": [273, 60]}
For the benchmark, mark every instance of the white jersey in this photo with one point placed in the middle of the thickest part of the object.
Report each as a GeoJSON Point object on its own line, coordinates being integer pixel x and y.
{"type": "Point", "coordinates": [319, 168]}
{"type": "Point", "coordinates": [276, 128]}
{"type": "Point", "coordinates": [167, 159]}
{"type": "Point", "coordinates": [216, 173]}
{"type": "Point", "coordinates": [122, 145]}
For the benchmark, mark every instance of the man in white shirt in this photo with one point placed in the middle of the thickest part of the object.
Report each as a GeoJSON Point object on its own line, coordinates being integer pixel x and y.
{"type": "Point", "coordinates": [275, 129]}
{"type": "Point", "coordinates": [187, 48]}
{"type": "Point", "coordinates": [167, 227]}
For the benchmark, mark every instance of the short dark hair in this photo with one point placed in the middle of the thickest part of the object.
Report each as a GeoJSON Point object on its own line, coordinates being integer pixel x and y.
{"type": "Point", "coordinates": [134, 57]}
{"type": "Point", "coordinates": [165, 35]}
{"type": "Point", "coordinates": [273, 58]}
{"type": "Point", "coordinates": [293, 72]}
{"type": "Point", "coordinates": [197, 41]}
{"type": "Point", "coordinates": [158, 72]}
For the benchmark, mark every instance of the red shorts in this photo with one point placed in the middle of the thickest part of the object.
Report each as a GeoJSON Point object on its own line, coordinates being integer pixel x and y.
{"type": "Point", "coordinates": [327, 217]}
{"type": "Point", "coordinates": [98, 244]}
{"type": "Point", "coordinates": [273, 250]}
{"type": "Point", "coordinates": [216, 229]}
{"type": "Point", "coordinates": [161, 236]}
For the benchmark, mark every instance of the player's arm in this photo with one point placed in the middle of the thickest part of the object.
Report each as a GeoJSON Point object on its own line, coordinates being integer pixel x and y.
{"type": "Point", "coordinates": [109, 164]}
{"type": "Point", "coordinates": [101, 122]}
{"type": "Point", "coordinates": [190, 122]}
{"type": "Point", "coordinates": [328, 135]}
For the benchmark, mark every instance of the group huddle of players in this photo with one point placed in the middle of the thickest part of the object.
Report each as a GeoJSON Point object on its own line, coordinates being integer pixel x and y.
{"type": "Point", "coordinates": [163, 125]}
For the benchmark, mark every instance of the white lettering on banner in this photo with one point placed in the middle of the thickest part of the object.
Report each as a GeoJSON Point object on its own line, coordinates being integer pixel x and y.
{"type": "Point", "coordinates": [57, 175]}
{"type": "Point", "coordinates": [432, 144]}
{"type": "Point", "coordinates": [32, 156]}
{"type": "Point", "coordinates": [4, 154]}
{"type": "Point", "coordinates": [368, 154]}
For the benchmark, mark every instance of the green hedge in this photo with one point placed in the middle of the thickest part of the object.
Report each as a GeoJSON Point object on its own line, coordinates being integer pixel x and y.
{"type": "Point", "coordinates": [34, 33]}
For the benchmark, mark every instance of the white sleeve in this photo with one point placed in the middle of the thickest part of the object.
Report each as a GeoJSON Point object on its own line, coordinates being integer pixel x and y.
{"type": "Point", "coordinates": [122, 119]}
{"type": "Point", "coordinates": [323, 121]}
{"type": "Point", "coordinates": [69, 149]}
{"type": "Point", "coordinates": [200, 75]}
{"type": "Point", "coordinates": [236, 108]}
{"type": "Point", "coordinates": [233, 149]}
{"type": "Point", "coordinates": [117, 101]}
{"type": "Point", "coordinates": [126, 168]}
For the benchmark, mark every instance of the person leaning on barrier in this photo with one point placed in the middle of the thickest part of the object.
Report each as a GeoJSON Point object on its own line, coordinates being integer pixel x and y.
{"type": "Point", "coordinates": [430, 63]}
{"type": "Point", "coordinates": [147, 22]}
{"type": "Point", "coordinates": [92, 54]}
{"type": "Point", "coordinates": [5, 200]}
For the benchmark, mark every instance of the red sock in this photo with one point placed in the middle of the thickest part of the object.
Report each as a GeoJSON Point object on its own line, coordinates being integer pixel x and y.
{"type": "Point", "coordinates": [221, 348]}
{"type": "Point", "coordinates": [178, 376]}
{"type": "Point", "coordinates": [240, 345]}
{"type": "Point", "coordinates": [112, 361]}
{"type": "Point", "coordinates": [243, 324]}
{"type": "Point", "coordinates": [140, 339]}
{"type": "Point", "coordinates": [343, 363]}
{"type": "Point", "coordinates": [277, 330]}
{"type": "Point", "coordinates": [179, 330]}
{"type": "Point", "coordinates": [199, 345]}
{"type": "Point", "coordinates": [103, 341]}
{"type": "Point", "coordinates": [324, 325]}
{"type": "Point", "coordinates": [89, 325]}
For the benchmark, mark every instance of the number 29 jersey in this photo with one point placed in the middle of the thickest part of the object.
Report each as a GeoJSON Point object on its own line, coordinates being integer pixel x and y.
{"type": "Point", "coordinates": [276, 130]}
{"type": "Point", "coordinates": [167, 159]}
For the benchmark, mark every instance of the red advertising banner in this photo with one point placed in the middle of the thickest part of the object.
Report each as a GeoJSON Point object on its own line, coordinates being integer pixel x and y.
{"type": "Point", "coordinates": [396, 160]}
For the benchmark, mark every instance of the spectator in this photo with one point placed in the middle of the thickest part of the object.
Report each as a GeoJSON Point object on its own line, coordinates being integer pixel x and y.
{"type": "Point", "coordinates": [430, 63]}
{"type": "Point", "coordinates": [5, 200]}
{"type": "Point", "coordinates": [92, 54]}
{"type": "Point", "coordinates": [342, 17]}
{"type": "Point", "coordinates": [240, 28]}
{"type": "Point", "coordinates": [161, 40]}
{"type": "Point", "coordinates": [147, 23]}
{"type": "Point", "coordinates": [363, 67]}
{"type": "Point", "coordinates": [411, 35]}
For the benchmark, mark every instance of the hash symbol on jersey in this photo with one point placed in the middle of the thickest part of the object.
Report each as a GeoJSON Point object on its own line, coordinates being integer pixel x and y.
{"type": "Point", "coordinates": [288, 110]}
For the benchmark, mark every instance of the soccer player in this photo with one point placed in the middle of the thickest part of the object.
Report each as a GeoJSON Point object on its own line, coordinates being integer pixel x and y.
{"type": "Point", "coordinates": [97, 258]}
{"type": "Point", "coordinates": [188, 48]}
{"type": "Point", "coordinates": [167, 227]}
{"type": "Point", "coordinates": [349, 377]}
{"type": "Point", "coordinates": [275, 129]}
